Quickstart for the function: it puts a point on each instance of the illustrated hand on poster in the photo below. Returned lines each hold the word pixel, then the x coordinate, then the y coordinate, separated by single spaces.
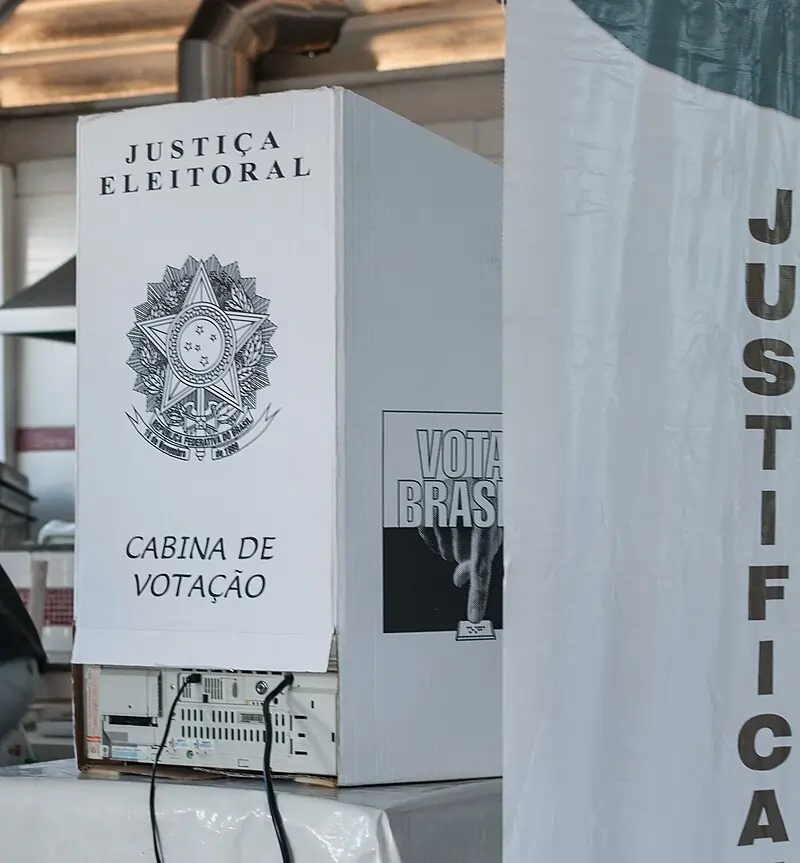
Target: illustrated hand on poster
pixel 473 550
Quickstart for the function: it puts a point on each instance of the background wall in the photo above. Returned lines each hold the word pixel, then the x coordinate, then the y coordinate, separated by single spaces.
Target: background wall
pixel 45 231
pixel 463 104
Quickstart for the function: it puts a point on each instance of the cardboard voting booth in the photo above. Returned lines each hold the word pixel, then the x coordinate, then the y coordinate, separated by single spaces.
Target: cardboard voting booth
pixel 650 334
pixel 289 432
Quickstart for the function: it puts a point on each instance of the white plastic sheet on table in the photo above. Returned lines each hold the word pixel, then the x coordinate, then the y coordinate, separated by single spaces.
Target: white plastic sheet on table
pixel 49 812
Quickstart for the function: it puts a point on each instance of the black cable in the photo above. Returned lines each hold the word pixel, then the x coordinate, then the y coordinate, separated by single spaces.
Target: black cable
pixel 269 787
pixel 188 681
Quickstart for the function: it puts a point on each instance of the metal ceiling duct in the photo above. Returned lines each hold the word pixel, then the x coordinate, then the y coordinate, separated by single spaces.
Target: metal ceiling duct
pixel 217 55
pixel 7 9
pixel 217 58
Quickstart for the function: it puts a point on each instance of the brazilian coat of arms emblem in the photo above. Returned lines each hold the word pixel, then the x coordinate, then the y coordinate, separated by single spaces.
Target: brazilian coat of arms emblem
pixel 201 348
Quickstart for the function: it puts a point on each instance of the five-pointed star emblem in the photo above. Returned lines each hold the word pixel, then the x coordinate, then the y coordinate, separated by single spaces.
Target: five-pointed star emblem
pixel 223 332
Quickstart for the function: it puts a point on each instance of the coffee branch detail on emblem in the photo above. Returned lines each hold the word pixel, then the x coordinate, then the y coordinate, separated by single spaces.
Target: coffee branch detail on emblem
pixel 201 347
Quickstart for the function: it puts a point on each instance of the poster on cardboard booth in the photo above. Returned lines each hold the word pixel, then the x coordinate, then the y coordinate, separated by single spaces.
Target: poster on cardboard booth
pixel 652 497
pixel 206 392
pixel 443 523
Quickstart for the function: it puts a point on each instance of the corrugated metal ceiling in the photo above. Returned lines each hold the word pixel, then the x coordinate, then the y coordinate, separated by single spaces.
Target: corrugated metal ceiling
pixel 77 51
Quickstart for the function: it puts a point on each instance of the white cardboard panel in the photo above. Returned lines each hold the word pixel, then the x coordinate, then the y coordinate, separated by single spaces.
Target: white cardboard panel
pixel 421 334
pixel 222 428
pixel 646 643
pixel 382 267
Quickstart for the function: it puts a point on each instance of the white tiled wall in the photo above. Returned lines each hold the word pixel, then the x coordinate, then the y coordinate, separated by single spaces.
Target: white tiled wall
pixel 480 136
pixel 46 237
pixel 46 391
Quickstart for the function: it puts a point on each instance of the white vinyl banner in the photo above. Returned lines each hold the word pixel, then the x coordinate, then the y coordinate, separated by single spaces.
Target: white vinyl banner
pixel 652 496
pixel 206 354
